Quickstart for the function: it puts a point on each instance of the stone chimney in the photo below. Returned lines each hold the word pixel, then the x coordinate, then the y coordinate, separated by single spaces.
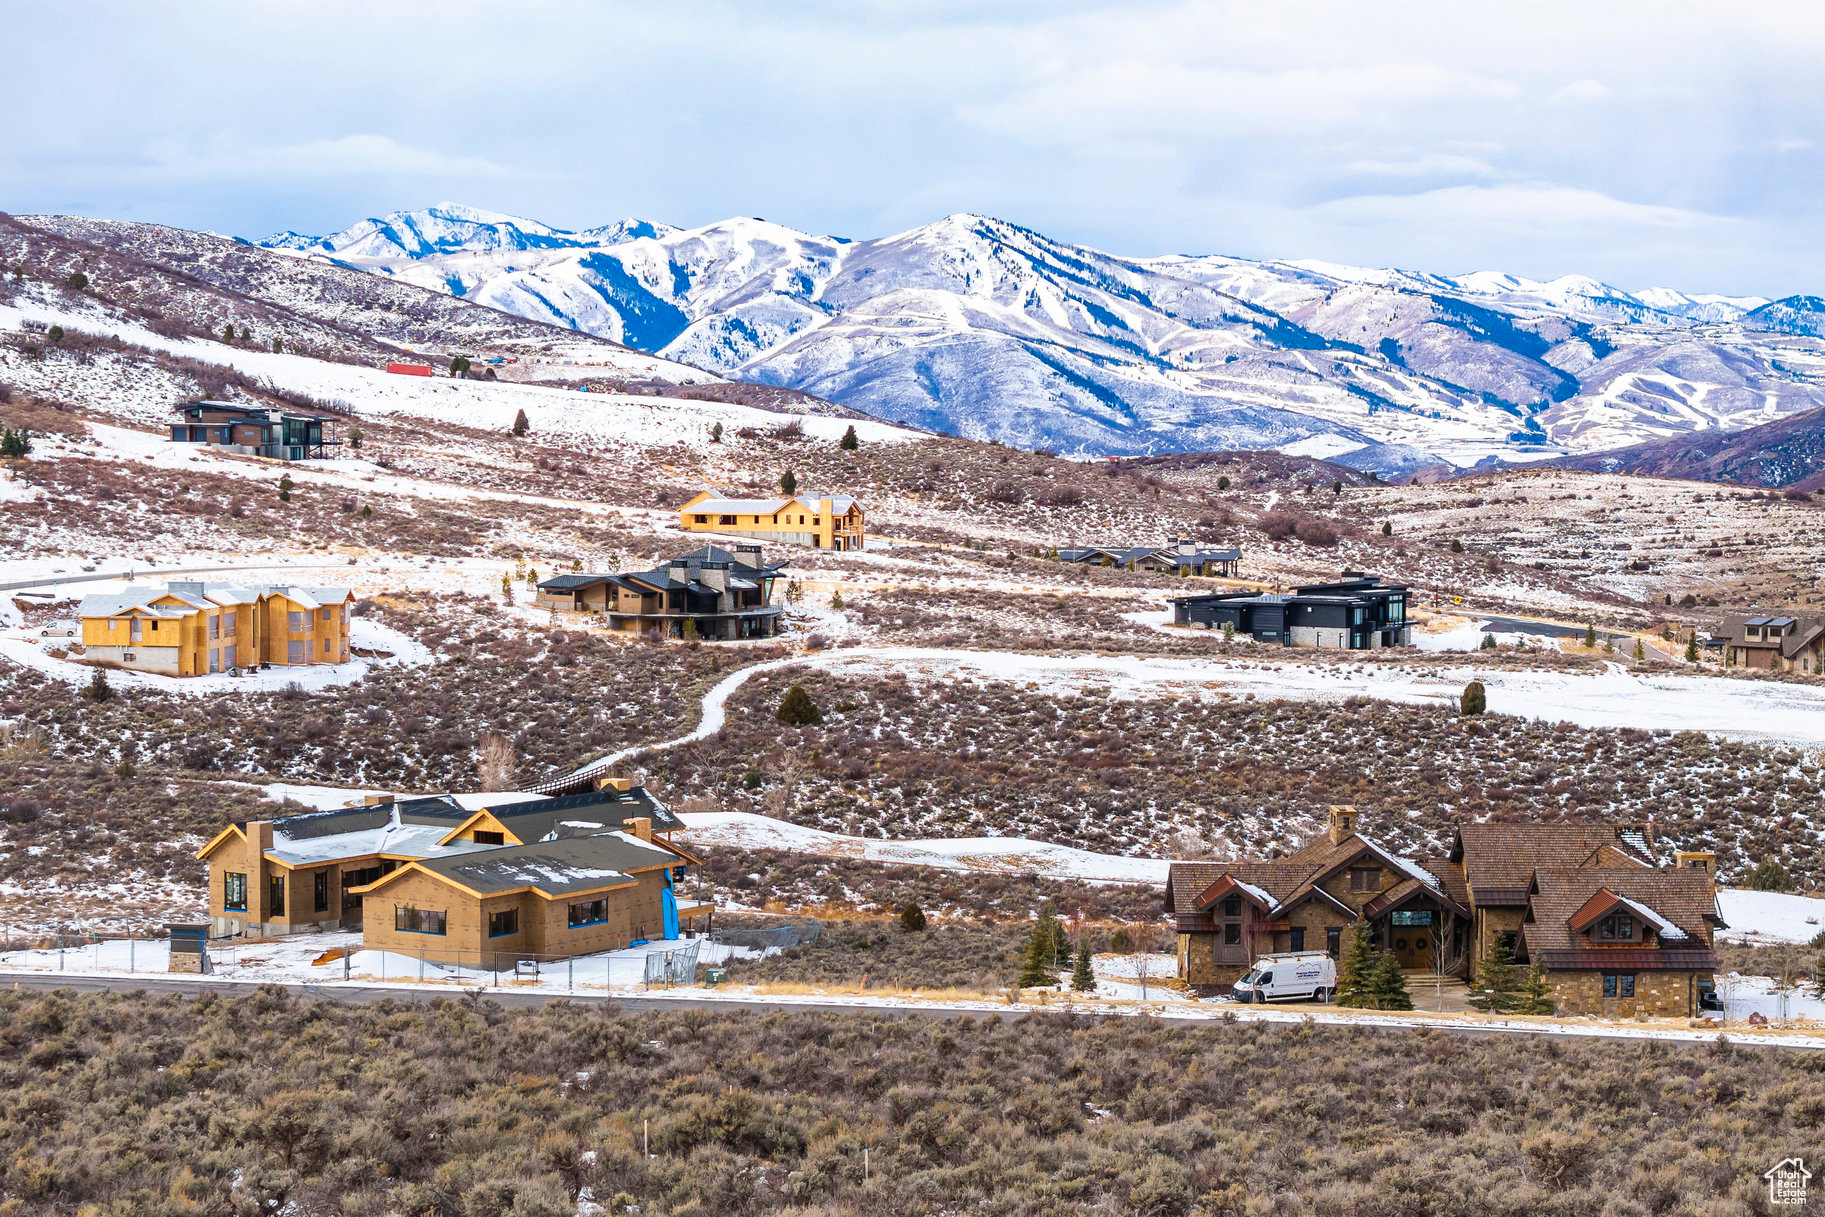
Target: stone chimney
pixel 1697 860
pixel 1343 823
pixel 640 826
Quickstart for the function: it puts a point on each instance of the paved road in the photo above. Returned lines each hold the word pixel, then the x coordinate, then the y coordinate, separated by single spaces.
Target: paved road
pixel 1520 625
pixel 165 983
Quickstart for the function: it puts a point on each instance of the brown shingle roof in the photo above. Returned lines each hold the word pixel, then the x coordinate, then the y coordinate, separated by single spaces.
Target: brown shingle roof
pixel 1501 858
pixel 1683 897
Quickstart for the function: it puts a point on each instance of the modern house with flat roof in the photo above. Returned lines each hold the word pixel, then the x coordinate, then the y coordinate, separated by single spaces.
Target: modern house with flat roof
pixel 252 430
pixel 464 876
pixel 1359 612
pixel 710 593
pixel 1176 557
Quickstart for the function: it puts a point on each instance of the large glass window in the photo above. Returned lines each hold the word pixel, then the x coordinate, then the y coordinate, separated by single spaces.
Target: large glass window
pixel 1617 927
pixel 505 922
pixel 320 892
pixel 234 891
pixel 1410 917
pixel 294 621
pixel 1232 934
pixel 589 912
pixel 275 895
pixel 418 921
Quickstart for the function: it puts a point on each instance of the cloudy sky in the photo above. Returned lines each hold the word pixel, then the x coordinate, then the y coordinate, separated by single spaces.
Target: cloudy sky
pixel 1643 144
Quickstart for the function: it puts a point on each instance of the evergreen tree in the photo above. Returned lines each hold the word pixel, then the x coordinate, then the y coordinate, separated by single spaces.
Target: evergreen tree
pixel 796 709
pixel 1590 636
pixel 285 487
pixel 1692 649
pixel 521 424
pixel 1356 970
pixel 15 444
pixel 912 917
pixel 1769 876
pixel 1457 546
pixel 1388 985
pixel 1083 980
pixel 1498 980
pixel 1222 483
pixel 77 281
pixel 850 441
pixel 228 332
pixel 55 333
pixel 1036 970
pixel 1387 528
pixel 278 346
pixel 1609 644
pixel 1536 996
pixel 1475 699
pixel 460 366
pixel 716 433
pixel 836 599
pixel 1641 655
pixel 788 482
pixel 1488 643
pixel 99 688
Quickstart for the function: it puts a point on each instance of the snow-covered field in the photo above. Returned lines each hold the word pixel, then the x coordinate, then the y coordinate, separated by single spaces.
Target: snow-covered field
pixel 1770 918
pixel 1015 855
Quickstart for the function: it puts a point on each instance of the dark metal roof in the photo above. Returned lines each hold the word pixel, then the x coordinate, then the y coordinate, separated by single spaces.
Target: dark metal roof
pixel 556 868
pixel 571 582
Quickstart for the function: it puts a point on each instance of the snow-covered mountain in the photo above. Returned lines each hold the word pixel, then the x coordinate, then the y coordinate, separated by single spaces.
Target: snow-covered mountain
pixel 996 331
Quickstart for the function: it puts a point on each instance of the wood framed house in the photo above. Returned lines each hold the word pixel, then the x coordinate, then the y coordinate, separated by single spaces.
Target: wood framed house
pixel 709 593
pixel 1616 931
pixel 467 875
pixel 194 629
pixel 817 521
pixel 1778 642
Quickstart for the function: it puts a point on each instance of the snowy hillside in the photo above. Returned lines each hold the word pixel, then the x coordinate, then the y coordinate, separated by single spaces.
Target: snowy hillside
pixel 996 331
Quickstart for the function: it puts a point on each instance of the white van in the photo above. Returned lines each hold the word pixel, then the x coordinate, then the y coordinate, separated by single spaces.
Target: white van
pixel 1296 976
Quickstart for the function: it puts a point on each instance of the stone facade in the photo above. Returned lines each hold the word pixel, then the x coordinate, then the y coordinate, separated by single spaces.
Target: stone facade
pixel 1664 994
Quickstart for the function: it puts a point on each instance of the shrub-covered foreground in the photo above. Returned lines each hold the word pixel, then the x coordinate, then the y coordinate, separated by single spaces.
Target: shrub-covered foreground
pixel 128 1104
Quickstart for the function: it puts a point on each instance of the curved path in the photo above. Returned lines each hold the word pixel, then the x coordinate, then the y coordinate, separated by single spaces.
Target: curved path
pixel 1759 710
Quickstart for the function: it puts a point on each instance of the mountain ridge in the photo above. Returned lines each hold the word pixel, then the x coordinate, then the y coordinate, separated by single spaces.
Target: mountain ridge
pixel 995 331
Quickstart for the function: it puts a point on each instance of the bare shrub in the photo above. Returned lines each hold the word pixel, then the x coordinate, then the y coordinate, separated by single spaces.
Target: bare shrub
pixel 495 761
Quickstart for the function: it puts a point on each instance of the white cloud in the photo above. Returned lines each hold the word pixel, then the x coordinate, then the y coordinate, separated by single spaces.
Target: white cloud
pixel 1792 143
pixel 1433 165
pixel 364 155
pixel 1536 210
pixel 1580 92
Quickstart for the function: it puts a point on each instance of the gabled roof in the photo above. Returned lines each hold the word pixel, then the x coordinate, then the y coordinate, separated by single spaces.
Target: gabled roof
pixel 1606 902
pixel 1228 884
pixel 1681 898
pixel 565 583
pixel 568 867
pixel 1499 859
pixel 717 502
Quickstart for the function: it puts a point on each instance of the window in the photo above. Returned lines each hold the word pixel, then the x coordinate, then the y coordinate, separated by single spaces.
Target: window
pixel 228 656
pixel 320 892
pixel 1365 878
pixel 1617 927
pixel 326 646
pixel 729 519
pixel 135 628
pixel 228 625
pixel 294 651
pixel 1232 934
pixel 1410 917
pixel 503 923
pixel 1618 984
pixel 1333 941
pixel 1232 907
pixel 329 614
pixel 215 627
pixel 234 891
pixel 1298 943
pixel 418 921
pixel 215 660
pixel 294 621
pixel 484 837
pixel 275 895
pixel 590 912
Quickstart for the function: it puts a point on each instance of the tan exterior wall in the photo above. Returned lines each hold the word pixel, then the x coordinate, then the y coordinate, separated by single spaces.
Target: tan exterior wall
pixel 258 918
pixel 799 522
pixel 258 633
pixel 544 924
pixel 1667 994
